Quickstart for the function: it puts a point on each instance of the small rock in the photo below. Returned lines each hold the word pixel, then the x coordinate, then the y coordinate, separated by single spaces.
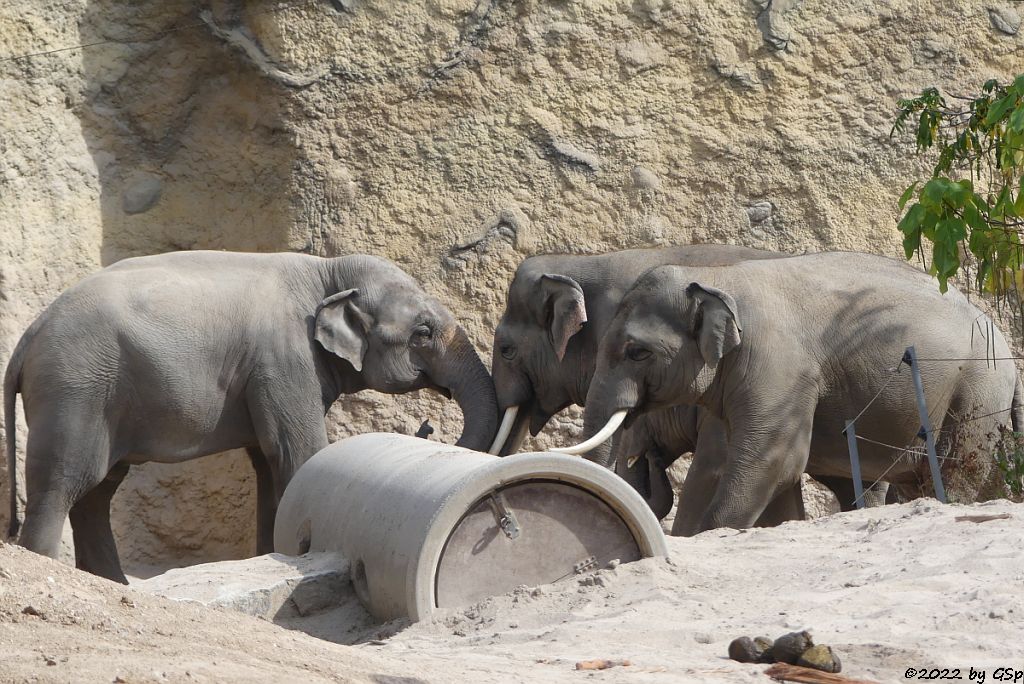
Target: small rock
pixel 744 650
pixel 645 179
pixel 49 660
pixel 789 647
pixel 127 602
pixel 759 211
pixel 1004 19
pixel 756 650
pixel 613 563
pixel 31 610
pixel 142 191
pixel 820 658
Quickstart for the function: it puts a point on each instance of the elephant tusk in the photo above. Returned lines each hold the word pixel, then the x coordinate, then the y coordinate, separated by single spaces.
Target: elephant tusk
pixel 506 427
pixel 632 460
pixel 604 433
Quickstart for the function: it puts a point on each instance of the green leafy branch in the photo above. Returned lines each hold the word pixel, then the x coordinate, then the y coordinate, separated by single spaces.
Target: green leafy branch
pixel 973 204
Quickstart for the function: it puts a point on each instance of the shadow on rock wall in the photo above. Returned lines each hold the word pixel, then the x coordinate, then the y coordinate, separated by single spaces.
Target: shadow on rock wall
pixel 192 153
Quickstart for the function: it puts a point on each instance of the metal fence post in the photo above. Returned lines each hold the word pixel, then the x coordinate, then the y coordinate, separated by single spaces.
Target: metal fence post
pixel 858 485
pixel 933 460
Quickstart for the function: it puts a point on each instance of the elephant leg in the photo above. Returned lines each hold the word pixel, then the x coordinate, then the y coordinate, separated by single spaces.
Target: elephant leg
pixel 763 462
pixel 787 505
pixel 60 466
pixel 266 502
pixel 702 478
pixel 842 487
pixel 95 549
pixel 661 495
pixel 287 439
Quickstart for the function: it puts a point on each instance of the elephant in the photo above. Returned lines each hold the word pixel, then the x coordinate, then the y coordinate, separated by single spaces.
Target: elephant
pixel 171 357
pixel 557 310
pixel 783 352
pixel 545 346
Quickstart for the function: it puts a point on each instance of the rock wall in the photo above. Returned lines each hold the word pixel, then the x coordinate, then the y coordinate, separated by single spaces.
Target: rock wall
pixel 455 137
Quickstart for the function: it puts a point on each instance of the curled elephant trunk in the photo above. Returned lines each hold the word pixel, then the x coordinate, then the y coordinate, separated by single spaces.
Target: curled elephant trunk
pixel 464 374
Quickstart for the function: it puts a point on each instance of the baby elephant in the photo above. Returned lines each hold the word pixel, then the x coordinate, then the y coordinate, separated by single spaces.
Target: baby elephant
pixel 171 357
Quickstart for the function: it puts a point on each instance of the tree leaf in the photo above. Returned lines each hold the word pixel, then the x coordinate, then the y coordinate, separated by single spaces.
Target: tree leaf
pixel 999 109
pixel 950 230
pixel 905 197
pixel 911 221
pixel 934 192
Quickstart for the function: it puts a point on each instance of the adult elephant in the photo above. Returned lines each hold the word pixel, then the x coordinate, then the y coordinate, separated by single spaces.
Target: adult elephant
pixel 171 357
pixel 544 355
pixel 783 352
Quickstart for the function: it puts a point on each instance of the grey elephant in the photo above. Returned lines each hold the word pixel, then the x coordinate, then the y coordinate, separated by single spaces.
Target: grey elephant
pixel 783 352
pixel 167 358
pixel 556 312
pixel 545 349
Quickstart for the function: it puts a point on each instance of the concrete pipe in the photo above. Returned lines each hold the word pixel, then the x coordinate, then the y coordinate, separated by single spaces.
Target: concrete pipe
pixel 427 525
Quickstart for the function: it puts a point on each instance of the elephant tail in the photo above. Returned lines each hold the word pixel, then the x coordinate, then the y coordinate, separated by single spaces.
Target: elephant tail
pixel 1017 408
pixel 12 381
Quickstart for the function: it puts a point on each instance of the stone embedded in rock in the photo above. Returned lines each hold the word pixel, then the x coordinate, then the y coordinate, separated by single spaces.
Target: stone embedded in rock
pixel 1005 19
pixel 142 191
pixel 759 212
pixel 645 179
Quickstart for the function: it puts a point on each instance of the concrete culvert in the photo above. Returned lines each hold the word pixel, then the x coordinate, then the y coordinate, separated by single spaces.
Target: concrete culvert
pixel 435 526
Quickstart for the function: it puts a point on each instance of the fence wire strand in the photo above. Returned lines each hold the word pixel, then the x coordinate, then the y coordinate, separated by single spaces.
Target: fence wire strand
pixel 903 452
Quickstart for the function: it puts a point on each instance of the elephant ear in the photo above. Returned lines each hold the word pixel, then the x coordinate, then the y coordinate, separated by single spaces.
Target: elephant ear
pixel 565 309
pixel 714 321
pixel 341 327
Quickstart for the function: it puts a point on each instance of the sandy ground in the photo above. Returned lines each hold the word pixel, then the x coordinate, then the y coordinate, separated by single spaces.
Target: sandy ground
pixel 888 588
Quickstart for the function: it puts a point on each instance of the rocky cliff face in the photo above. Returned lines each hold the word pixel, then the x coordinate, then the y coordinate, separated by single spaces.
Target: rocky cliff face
pixel 455 137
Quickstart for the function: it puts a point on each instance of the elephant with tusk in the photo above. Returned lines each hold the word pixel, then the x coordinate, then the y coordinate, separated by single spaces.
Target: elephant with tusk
pixel 782 352
pixel 545 349
pixel 171 357
pixel 557 309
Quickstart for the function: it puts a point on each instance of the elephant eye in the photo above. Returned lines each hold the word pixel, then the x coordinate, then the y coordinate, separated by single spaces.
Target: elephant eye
pixel 423 332
pixel 508 351
pixel 635 353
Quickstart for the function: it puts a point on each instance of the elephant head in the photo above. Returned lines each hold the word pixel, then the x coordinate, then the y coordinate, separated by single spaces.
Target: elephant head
pixel 665 347
pixel 538 365
pixel 391 336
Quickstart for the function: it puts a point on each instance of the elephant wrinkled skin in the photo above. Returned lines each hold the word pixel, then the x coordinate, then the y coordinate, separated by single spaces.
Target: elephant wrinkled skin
pixel 783 352
pixel 558 308
pixel 545 349
pixel 171 357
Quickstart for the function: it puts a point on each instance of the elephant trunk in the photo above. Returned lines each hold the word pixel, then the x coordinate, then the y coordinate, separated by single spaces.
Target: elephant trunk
pixel 466 377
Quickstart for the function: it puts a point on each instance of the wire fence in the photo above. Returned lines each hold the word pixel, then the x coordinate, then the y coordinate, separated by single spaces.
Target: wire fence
pixel 927 432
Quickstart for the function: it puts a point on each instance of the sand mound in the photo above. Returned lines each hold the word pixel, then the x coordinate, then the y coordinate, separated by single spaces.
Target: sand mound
pixel 916 585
